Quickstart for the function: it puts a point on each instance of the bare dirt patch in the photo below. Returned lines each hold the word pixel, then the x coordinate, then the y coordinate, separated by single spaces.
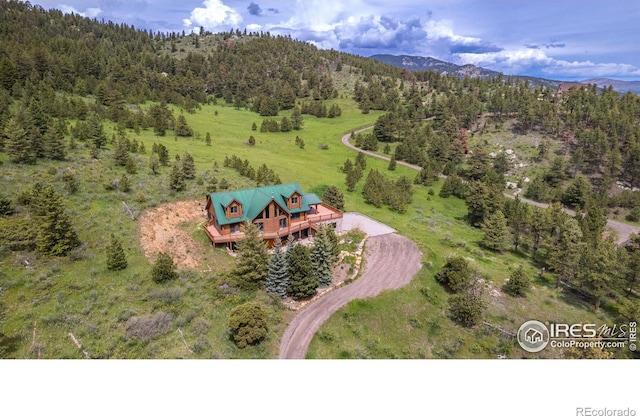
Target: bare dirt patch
pixel 162 230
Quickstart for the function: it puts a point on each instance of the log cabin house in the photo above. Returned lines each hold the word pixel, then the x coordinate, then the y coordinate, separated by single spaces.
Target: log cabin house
pixel 277 210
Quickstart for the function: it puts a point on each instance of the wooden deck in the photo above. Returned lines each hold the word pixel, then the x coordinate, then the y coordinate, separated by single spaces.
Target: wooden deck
pixel 320 214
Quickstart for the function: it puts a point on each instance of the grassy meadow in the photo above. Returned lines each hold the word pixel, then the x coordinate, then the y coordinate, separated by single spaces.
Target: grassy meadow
pixel 126 315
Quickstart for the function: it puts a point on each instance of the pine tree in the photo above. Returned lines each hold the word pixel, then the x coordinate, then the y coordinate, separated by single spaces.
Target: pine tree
pixel 207 138
pixel 277 275
pixel 564 256
pixel 375 188
pixel 334 197
pixel 121 150
pixel 597 269
pixel 322 257
pixel 495 231
pixel 188 166
pixel 181 127
pixel 518 283
pixel 124 184
pixel 163 269
pixel 296 118
pixel 302 280
pixel 116 259
pixel 361 161
pixel 56 236
pixel 154 165
pixel 392 163
pixel 54 147
pixel 252 260
pixel 130 166
pixel 455 274
pixel 176 179
pixel 17 143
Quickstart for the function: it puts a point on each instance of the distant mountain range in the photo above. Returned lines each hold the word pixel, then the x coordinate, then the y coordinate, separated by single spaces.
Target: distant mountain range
pixel 620 86
pixel 422 63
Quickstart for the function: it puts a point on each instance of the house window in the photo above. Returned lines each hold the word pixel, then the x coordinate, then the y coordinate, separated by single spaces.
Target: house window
pixel 294 200
pixel 233 209
pixel 260 225
pixel 295 216
pixel 235 228
pixel 283 223
pixel 266 211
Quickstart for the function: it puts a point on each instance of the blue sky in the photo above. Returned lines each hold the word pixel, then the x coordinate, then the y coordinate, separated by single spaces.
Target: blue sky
pixel 559 39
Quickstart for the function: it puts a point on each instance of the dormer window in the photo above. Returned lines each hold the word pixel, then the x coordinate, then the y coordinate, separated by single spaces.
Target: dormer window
pixel 294 200
pixel 233 209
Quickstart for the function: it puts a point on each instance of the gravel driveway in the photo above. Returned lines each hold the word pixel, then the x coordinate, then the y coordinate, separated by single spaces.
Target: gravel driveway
pixel 391 261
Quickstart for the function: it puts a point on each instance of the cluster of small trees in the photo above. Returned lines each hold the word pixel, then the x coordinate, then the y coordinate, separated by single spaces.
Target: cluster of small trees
pixel 466 305
pixel 379 190
pixel 319 109
pixel 354 171
pixel 293 270
pixel 183 169
pixel 366 141
pixel 50 230
pixel 263 176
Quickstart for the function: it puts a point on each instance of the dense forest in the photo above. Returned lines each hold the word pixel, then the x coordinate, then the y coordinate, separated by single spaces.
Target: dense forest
pixel 64 78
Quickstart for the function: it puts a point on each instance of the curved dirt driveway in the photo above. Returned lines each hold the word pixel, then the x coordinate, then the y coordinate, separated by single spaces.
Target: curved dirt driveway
pixel 390 262
pixel 622 230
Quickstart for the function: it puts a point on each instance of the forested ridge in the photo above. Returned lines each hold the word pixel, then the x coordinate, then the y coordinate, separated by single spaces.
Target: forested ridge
pixel 98 118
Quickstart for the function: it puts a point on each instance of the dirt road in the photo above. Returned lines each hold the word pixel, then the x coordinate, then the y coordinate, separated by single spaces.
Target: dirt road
pixel 390 262
pixel 622 230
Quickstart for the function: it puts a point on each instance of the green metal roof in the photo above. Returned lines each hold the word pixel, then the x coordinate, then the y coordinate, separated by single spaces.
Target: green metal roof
pixel 254 200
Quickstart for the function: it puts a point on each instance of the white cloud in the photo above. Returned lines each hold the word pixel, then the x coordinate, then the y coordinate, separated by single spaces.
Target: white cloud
pixel 522 60
pixel 213 15
pixel 90 12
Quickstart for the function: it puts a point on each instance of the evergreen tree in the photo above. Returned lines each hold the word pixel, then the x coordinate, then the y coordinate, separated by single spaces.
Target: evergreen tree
pixel 392 163
pixel 116 259
pixel 597 269
pixel 296 119
pixel 130 166
pixel 95 130
pixel 163 154
pixel 322 257
pixel 466 308
pixel 353 176
pixel 188 166
pixel 17 143
pixel 154 165
pixel 302 280
pixel 181 127
pixel 163 269
pixel 285 125
pixel 124 184
pixel 495 231
pixel 54 146
pixel 564 256
pixel 334 197
pixel 361 161
pixel 277 275
pixel 207 138
pixel 252 259
pixel 375 188
pixel 70 181
pixel 56 236
pixel 518 216
pixel 121 150
pixel 518 283
pixel 176 179
pixel 481 201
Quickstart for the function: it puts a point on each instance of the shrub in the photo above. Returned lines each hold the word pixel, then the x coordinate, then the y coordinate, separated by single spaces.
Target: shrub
pixel 146 328
pixel 455 274
pixel 634 215
pixel 247 324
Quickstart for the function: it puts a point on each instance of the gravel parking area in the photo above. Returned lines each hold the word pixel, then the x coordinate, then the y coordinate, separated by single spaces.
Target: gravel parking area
pixel 370 226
